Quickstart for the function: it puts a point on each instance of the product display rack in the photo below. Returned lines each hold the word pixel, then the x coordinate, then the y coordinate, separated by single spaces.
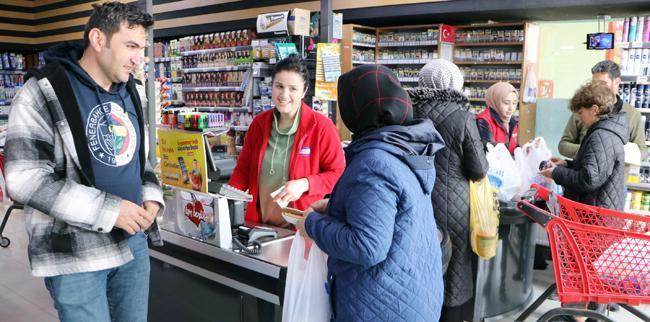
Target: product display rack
pixel 493 52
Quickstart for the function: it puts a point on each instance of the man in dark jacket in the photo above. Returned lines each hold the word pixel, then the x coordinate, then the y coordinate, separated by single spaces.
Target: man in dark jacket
pixel 596 176
pixel 462 159
pixel 76 158
pixel 384 258
pixel 574 132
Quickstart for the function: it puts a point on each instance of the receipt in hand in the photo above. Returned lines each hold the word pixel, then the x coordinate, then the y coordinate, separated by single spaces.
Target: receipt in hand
pixel 280 203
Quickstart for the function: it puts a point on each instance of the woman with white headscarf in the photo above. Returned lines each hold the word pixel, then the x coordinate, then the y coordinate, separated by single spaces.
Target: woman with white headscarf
pixel 438 98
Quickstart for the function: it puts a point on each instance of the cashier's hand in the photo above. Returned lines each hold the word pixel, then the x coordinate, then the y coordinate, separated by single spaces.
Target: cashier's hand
pixel 293 190
pixel 558 162
pixel 548 172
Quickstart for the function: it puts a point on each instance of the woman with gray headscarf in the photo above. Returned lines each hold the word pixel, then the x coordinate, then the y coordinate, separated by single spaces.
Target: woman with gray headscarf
pixel 438 98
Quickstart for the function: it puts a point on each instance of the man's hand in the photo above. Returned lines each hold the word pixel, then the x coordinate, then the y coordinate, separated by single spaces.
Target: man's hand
pixel 152 208
pixel 132 218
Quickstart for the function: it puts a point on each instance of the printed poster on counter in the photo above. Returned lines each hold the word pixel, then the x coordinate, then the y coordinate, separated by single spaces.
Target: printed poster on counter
pixel 183 161
pixel 328 70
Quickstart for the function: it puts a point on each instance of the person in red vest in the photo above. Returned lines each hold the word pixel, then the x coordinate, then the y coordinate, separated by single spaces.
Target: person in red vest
pixel 290 148
pixel 496 124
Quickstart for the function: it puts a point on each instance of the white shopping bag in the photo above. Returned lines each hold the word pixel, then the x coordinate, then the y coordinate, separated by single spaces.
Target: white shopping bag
pixel 305 296
pixel 503 172
pixel 528 159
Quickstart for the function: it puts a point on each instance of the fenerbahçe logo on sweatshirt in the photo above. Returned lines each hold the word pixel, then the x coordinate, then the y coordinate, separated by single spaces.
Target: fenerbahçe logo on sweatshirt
pixel 111 135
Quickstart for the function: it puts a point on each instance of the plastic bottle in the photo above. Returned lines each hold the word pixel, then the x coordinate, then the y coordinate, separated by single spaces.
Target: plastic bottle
pixel 626 29
pixel 624 61
pixel 646 30
pixel 632 33
pixel 645 60
pixel 639 29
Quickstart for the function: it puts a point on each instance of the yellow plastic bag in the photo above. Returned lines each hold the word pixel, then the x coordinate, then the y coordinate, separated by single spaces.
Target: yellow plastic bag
pixel 483 218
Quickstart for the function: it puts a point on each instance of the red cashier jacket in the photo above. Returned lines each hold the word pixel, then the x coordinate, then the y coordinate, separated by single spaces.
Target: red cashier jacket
pixel 491 129
pixel 316 155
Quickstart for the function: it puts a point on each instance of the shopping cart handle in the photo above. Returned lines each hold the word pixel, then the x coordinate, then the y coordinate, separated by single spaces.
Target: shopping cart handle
pixel 538 215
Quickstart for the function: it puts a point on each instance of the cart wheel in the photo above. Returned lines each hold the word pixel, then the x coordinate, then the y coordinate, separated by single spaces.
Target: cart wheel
pixel 4 242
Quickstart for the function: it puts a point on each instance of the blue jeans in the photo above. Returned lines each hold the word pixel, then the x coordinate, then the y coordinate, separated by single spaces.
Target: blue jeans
pixel 116 294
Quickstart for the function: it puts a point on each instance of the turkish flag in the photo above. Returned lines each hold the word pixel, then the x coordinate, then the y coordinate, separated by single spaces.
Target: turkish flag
pixel 447 34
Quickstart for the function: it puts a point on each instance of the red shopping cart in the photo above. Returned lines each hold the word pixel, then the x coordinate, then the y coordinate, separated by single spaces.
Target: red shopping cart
pixel 599 255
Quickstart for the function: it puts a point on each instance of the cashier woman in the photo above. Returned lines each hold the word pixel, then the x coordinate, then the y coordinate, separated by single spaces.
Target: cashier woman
pixel 290 148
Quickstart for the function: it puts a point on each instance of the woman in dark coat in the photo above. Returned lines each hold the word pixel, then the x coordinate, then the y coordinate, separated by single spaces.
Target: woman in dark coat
pixel 597 175
pixel 463 158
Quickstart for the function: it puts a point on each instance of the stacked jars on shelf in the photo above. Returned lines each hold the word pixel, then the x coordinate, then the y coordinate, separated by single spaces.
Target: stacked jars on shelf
pixel 214 99
pixel 363 38
pixel 487 55
pixel 495 74
pixel 635 94
pixel 217 40
pixel 392 37
pixel 214 79
pixel 363 55
pixel 219 59
pixel 489 35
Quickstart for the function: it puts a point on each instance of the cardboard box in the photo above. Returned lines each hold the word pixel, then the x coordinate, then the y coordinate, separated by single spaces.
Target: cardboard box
pixel 298 22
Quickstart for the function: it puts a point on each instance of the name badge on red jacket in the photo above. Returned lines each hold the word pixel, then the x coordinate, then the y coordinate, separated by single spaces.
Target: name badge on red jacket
pixel 305 152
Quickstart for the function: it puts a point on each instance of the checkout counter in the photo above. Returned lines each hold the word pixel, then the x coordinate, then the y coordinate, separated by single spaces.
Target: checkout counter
pixel 199 277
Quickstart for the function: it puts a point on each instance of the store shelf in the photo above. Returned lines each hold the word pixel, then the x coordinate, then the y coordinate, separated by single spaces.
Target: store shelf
pixel 242 109
pixel 222 129
pixel 636 44
pixel 239 128
pixel 15 72
pixel 643 110
pixel 477 100
pixel 635 79
pixel 408 43
pixel 215 50
pixel 216 69
pixel 359 44
pixel 408 79
pixel 360 62
pixel 213 89
pixel 165 59
pixel 491 81
pixel 483 44
pixel 639 186
pixel 488 62
pixel 403 62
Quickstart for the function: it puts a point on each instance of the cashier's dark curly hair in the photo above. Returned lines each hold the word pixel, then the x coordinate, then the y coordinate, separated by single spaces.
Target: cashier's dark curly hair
pixel 110 16
pixel 293 63
pixel 594 93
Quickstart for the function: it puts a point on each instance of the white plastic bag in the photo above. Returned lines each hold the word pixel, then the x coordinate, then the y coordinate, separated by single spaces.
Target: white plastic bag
pixel 503 172
pixel 305 296
pixel 528 159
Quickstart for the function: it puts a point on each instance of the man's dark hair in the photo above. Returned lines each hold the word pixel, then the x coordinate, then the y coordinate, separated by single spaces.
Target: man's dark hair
pixel 609 67
pixel 110 16
pixel 293 64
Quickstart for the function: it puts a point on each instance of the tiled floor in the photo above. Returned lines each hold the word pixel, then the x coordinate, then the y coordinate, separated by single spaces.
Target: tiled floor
pixel 23 298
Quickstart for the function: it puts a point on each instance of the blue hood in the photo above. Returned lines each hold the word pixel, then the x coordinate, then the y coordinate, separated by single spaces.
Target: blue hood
pixel 414 144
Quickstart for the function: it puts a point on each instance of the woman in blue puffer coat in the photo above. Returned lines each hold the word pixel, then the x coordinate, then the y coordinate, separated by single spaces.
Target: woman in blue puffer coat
pixel 384 258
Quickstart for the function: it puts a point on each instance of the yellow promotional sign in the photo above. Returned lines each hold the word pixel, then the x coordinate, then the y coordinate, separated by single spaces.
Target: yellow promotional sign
pixel 183 161
pixel 328 69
